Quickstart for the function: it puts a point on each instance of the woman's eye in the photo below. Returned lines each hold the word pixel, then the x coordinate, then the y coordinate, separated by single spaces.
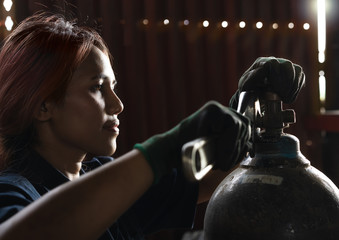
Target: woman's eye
pixel 96 87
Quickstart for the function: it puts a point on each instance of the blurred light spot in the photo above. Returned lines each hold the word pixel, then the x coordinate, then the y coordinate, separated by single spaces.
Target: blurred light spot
pixel 8 5
pixel 242 24
pixel 224 24
pixel 321 30
pixel 321 57
pixel 259 25
pixel 322 86
pixel 9 23
pixel 205 23
pixel 309 143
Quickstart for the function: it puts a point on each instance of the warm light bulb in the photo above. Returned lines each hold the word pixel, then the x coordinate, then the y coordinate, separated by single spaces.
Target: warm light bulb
pixel 205 23
pixel 242 24
pixel 224 24
pixel 9 23
pixel 306 26
pixel 259 25
pixel 8 5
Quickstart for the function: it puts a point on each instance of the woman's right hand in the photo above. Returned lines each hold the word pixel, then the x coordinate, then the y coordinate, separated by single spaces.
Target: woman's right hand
pixel 229 129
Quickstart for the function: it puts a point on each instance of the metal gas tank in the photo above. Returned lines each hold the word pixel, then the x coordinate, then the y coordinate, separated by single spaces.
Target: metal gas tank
pixel 275 195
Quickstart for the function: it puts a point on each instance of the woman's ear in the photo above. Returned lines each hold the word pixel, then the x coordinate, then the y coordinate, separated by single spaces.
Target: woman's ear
pixel 44 112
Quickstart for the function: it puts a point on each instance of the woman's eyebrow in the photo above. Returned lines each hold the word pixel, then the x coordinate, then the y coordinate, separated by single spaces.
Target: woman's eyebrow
pixel 100 76
pixel 103 76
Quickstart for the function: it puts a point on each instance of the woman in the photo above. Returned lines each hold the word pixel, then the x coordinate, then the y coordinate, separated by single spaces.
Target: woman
pixel 58 107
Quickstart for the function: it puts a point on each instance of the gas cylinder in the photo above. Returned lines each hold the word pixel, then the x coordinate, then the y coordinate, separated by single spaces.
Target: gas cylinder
pixel 274 193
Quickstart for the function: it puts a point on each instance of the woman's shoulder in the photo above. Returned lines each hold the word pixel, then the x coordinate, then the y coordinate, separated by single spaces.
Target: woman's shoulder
pixel 16 192
pixel 12 178
pixel 12 183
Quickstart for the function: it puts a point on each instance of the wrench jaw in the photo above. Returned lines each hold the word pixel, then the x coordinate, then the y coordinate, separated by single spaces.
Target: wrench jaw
pixel 196 156
pixel 249 106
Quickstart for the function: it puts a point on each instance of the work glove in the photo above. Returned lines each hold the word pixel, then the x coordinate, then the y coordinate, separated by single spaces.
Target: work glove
pixel 277 75
pixel 229 129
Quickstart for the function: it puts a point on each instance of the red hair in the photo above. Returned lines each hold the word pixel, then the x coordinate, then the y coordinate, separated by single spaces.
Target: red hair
pixel 36 63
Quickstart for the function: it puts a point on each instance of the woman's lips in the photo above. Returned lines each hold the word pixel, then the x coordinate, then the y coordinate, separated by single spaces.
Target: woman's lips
pixel 112 126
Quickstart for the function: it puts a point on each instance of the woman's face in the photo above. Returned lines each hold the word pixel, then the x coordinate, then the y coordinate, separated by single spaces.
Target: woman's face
pixel 87 119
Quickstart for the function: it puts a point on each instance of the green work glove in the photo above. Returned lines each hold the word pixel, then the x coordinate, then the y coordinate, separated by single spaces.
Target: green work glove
pixel 277 75
pixel 229 129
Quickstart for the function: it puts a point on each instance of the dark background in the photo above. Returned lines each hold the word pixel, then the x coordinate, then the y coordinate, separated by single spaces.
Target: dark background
pixel 165 72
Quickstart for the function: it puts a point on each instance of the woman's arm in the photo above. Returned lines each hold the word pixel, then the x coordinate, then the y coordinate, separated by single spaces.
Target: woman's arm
pixel 83 208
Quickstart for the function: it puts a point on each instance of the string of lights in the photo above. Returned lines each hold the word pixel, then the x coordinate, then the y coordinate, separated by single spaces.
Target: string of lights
pixel 7 4
pixel 226 24
pixel 7 23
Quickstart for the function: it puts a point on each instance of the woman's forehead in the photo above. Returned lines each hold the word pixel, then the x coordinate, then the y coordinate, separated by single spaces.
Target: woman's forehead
pixel 97 62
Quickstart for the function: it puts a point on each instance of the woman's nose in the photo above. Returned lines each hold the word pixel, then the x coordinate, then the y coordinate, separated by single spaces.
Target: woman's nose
pixel 114 105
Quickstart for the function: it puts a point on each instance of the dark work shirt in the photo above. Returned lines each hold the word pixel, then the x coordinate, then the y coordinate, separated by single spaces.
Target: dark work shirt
pixel 168 204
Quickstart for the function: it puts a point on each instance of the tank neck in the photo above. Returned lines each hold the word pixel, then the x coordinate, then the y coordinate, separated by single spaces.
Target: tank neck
pixel 282 152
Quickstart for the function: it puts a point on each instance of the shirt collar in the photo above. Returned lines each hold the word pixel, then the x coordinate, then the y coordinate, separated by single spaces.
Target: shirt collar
pixel 42 172
pixel 43 175
pixel 39 171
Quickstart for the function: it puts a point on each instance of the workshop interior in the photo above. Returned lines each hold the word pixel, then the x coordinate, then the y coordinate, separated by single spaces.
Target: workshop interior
pixel 172 56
